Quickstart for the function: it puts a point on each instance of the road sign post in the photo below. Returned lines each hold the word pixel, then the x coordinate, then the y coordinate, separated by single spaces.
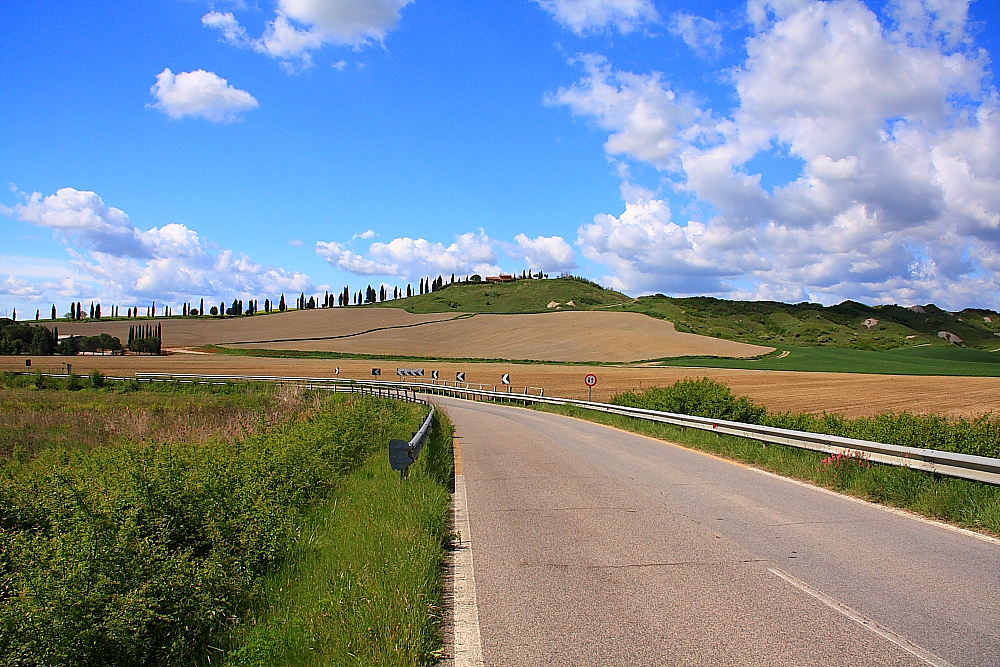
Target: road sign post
pixel 591 380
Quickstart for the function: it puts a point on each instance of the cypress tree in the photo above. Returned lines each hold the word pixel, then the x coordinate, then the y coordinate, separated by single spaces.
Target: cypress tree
pixel 53 311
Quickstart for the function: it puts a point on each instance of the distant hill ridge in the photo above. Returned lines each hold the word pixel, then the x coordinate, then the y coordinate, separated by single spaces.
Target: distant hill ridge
pixel 849 324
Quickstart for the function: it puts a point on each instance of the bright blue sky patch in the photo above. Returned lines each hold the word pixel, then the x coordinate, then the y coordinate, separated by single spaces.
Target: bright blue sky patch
pixel 189 149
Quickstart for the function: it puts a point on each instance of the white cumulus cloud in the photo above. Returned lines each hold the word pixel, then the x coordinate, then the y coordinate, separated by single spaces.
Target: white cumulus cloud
pixel 115 261
pixel 898 137
pixel 702 35
pixel 547 253
pixel 583 16
pixel 406 257
pixel 200 94
pixel 302 26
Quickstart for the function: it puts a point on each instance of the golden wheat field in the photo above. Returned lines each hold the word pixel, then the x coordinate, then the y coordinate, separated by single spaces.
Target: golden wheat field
pixel 261 328
pixel 577 336
pixel 850 394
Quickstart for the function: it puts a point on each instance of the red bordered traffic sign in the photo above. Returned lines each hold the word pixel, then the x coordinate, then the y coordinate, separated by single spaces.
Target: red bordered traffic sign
pixel 591 380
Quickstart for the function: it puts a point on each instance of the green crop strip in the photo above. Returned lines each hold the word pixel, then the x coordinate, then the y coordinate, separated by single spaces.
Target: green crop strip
pixel 926 360
pixel 314 354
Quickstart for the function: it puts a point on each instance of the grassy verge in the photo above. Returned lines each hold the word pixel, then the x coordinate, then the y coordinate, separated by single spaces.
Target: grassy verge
pixel 164 550
pixel 363 587
pixel 965 503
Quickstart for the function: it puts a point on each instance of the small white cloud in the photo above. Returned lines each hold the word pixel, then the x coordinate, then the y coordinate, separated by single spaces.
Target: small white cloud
pixel 296 242
pixel 19 288
pixel 547 253
pixel 200 94
pixel 340 65
pixel 226 23
pixel 648 120
pixel 702 35
pixel 367 234
pixel 583 16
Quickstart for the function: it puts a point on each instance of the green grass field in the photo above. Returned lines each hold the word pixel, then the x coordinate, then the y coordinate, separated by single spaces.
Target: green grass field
pixel 522 296
pixel 926 360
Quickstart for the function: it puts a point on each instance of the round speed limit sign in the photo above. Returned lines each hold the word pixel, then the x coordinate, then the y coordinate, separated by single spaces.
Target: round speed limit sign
pixel 591 380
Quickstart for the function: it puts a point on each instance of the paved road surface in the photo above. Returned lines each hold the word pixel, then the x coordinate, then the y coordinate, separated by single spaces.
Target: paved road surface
pixel 597 547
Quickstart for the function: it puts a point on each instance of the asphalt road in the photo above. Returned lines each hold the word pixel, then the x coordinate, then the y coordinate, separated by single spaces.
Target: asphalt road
pixel 594 546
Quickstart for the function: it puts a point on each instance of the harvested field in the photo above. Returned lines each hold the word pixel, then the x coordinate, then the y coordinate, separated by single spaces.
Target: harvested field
pixel 849 394
pixel 294 325
pixel 578 336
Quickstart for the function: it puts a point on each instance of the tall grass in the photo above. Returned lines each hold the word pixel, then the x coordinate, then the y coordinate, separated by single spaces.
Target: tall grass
pixel 152 553
pixel 363 586
pixel 32 421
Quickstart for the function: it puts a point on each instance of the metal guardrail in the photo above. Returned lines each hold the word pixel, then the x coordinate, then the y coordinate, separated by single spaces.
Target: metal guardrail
pixel 966 466
pixel 403 454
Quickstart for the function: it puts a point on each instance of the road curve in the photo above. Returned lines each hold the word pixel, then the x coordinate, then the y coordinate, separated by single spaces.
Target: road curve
pixel 593 546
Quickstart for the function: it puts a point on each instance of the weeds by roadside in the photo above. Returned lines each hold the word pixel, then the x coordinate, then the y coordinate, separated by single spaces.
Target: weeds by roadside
pixel 705 397
pixel 87 416
pixel 364 584
pixel 157 551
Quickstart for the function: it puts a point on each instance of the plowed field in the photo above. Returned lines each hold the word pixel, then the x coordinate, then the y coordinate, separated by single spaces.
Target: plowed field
pixel 850 394
pixel 297 325
pixel 578 336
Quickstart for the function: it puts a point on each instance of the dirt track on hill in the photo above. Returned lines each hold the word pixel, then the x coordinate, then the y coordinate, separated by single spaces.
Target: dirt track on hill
pixel 849 394
pixel 577 336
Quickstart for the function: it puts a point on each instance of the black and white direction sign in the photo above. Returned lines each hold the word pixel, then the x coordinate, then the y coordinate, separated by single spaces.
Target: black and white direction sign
pixel 460 377
pixel 434 375
pixel 376 371
pixel 505 378
pixel 336 371
pixel 410 372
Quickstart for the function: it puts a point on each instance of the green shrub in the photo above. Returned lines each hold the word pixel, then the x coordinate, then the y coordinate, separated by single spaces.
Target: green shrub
pixel 142 554
pixel 73 382
pixel 708 398
pixel 96 379
pixel 702 398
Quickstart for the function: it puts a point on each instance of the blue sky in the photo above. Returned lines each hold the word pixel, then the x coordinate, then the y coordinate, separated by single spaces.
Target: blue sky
pixel 792 150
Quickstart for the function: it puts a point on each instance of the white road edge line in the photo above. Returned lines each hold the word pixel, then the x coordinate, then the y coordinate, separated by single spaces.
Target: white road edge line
pixel 854 499
pixel 468 648
pixel 920 653
pixel 885 508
